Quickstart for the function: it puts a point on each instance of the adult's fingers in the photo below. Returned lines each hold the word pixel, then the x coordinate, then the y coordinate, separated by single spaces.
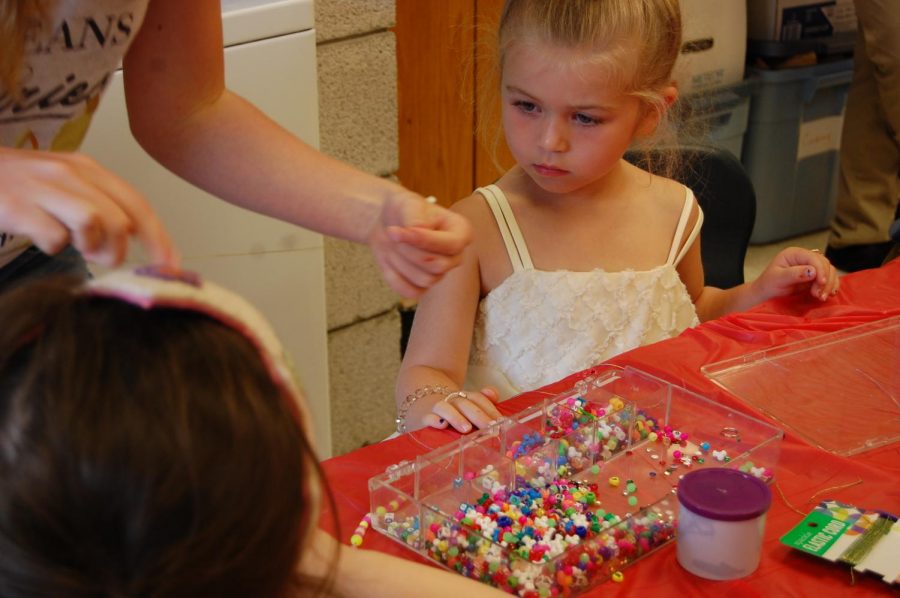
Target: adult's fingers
pixel 409 271
pixel 30 220
pixel 449 235
pixel 144 223
pixel 98 227
pixel 395 280
pixel 432 263
pixel 57 198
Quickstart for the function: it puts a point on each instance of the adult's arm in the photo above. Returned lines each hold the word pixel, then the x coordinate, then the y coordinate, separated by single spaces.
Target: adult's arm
pixel 181 112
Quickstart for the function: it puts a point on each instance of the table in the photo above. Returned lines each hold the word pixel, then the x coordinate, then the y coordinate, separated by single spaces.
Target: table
pixel 802 472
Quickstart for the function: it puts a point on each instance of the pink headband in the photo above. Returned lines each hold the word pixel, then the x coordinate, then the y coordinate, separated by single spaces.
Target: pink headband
pixel 151 286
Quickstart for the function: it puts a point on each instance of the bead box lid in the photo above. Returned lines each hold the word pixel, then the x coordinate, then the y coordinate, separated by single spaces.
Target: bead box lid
pixel 840 384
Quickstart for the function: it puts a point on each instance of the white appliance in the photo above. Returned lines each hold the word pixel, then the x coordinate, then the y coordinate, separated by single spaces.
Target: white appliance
pixel 270 59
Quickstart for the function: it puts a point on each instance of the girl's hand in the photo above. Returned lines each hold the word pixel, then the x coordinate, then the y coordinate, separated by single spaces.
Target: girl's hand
pixel 795 270
pixel 57 198
pixel 461 410
pixel 415 242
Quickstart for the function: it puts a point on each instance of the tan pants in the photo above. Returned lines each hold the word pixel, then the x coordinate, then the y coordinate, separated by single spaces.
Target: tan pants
pixel 869 181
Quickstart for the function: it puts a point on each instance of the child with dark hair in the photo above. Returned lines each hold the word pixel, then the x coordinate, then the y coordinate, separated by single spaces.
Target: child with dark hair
pixel 153 443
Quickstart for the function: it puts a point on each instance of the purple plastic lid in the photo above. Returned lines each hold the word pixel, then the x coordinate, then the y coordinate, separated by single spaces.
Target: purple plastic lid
pixel 724 494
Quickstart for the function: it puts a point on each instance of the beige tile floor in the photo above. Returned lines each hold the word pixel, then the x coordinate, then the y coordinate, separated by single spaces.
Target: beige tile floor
pixel 759 256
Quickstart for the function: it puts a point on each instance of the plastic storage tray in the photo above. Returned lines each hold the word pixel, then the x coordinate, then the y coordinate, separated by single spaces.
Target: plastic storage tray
pixel 561 496
pixel 791 147
pixel 840 390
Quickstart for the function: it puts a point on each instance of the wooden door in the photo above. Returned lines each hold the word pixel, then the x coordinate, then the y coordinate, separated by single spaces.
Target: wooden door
pixel 443 56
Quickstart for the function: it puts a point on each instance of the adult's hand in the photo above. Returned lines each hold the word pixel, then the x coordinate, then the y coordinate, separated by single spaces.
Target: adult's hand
pixel 416 242
pixel 57 198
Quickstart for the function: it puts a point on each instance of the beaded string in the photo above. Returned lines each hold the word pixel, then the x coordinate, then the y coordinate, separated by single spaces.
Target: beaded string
pixel 356 539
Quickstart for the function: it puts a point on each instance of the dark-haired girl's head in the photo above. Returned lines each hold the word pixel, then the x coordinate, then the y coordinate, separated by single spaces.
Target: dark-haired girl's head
pixel 143 452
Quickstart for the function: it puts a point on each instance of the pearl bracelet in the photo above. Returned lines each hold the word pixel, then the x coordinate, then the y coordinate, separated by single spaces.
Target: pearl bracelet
pixel 411 398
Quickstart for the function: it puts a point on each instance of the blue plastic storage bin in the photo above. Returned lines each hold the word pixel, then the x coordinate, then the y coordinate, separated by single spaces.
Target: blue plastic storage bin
pixel 791 146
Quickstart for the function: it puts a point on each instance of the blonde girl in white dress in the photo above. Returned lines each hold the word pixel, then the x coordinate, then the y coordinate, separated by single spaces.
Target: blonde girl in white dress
pixel 578 255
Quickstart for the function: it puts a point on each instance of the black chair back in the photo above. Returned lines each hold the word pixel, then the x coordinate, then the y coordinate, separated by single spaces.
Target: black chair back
pixel 725 193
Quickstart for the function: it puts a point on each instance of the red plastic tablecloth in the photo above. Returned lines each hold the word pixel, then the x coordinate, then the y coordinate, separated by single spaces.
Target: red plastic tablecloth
pixel 803 470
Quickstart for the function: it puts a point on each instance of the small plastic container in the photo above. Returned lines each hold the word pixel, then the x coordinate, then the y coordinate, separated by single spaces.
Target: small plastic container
pixel 721 522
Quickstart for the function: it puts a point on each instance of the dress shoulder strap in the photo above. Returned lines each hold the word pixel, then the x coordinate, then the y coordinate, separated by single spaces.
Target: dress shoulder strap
pixel 678 241
pixel 509 228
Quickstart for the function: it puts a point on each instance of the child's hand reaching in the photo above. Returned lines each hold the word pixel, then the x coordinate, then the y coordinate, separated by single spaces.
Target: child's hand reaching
pixel 461 410
pixel 794 270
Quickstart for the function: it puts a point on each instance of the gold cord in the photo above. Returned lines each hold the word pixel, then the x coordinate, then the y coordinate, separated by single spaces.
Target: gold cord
pixel 811 498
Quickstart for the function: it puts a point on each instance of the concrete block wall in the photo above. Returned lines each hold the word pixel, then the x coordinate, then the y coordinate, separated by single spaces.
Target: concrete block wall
pixel 358 124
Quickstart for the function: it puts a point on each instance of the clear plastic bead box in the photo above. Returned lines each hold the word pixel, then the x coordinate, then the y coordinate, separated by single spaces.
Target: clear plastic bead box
pixel 563 495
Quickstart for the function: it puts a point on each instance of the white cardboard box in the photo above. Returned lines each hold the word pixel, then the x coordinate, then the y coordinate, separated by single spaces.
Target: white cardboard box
pixel 791 20
pixel 713 44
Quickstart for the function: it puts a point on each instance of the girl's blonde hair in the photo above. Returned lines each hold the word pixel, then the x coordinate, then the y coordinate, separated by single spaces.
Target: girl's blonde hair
pixel 636 40
pixel 16 18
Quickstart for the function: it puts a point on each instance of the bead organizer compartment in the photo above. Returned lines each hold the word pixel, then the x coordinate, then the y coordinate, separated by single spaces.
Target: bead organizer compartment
pixel 563 495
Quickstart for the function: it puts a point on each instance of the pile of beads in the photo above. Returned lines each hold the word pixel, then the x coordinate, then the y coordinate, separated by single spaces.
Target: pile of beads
pixel 529 442
pixel 540 541
pixel 575 412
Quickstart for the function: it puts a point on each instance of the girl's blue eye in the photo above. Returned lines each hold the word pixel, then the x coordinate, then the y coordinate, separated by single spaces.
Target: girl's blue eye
pixel 584 119
pixel 525 106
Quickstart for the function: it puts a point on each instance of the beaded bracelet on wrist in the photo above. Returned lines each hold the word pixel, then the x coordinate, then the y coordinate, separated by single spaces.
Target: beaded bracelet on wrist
pixel 411 398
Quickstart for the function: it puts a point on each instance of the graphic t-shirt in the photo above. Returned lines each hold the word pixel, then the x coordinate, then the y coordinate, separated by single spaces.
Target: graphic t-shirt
pixel 69 60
